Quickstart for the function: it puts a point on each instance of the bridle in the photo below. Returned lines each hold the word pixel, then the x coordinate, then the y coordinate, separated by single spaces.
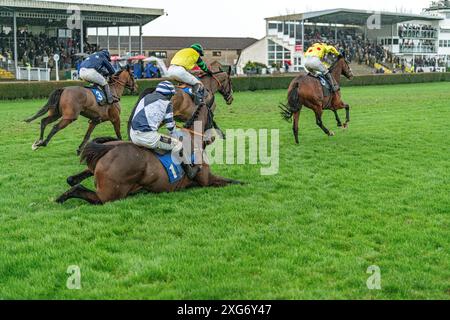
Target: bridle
pixel 337 61
pixel 227 95
pixel 116 80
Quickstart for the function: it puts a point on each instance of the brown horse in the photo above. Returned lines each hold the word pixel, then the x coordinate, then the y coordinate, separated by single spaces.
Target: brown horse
pixel 306 90
pixel 71 102
pixel 218 82
pixel 122 168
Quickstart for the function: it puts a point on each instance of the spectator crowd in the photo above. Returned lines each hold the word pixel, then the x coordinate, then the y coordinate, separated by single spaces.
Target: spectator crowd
pixel 34 49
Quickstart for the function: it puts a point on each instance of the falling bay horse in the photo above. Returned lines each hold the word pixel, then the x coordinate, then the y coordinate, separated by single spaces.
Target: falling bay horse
pixel 123 168
pixel 71 102
pixel 306 90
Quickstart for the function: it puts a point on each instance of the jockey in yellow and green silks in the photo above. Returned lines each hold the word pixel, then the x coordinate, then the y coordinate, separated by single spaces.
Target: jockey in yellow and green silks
pixel 184 61
pixel 314 61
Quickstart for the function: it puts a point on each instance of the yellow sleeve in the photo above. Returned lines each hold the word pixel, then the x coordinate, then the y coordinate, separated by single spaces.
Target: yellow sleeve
pixel 332 50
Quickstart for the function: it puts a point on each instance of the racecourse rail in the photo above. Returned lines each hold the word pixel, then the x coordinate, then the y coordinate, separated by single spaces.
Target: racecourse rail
pixel 32 90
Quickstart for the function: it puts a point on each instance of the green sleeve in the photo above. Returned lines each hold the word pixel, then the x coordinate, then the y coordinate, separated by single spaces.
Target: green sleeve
pixel 202 65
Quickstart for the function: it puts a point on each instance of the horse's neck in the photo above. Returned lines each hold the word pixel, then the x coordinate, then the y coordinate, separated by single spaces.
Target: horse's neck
pixel 118 87
pixel 211 84
pixel 203 119
pixel 337 71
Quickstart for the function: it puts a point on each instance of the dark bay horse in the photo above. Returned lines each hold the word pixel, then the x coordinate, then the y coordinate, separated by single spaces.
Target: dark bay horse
pixel 71 102
pixel 122 168
pixel 306 90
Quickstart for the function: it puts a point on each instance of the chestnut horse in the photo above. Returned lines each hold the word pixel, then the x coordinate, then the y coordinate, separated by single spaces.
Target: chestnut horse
pixel 123 168
pixel 71 102
pixel 306 90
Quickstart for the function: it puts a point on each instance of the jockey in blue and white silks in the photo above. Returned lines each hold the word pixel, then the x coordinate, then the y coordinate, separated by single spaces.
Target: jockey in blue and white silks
pixel 152 111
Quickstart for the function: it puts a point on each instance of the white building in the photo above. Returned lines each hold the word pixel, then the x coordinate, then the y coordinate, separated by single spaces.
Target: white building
pixel 408 36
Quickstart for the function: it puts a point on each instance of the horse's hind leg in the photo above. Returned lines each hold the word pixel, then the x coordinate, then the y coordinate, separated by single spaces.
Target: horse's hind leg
pixel 61 125
pixel 80 192
pixel 320 124
pixel 77 179
pixel 295 126
pixel 44 123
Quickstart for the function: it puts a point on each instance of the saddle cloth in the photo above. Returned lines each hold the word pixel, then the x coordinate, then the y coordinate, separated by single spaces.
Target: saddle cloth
pixel 99 95
pixel 174 171
pixel 187 89
pixel 326 86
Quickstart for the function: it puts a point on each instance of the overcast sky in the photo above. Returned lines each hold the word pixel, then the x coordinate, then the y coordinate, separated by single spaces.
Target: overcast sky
pixel 240 18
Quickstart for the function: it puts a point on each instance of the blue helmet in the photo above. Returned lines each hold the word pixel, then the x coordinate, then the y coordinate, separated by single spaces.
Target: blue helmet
pixel 166 88
pixel 106 54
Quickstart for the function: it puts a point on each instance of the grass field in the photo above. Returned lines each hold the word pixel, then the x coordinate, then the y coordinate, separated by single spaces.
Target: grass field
pixel 377 194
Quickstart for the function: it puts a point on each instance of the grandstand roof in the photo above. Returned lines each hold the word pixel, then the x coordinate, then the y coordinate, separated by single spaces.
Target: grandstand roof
pixel 32 12
pixel 352 17
pixel 176 43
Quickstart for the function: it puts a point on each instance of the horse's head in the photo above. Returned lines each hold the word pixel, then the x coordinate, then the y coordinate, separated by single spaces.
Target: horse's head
pixel 126 77
pixel 345 67
pixel 225 85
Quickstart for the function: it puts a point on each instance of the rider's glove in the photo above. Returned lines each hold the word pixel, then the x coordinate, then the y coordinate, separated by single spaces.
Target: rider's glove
pixel 177 134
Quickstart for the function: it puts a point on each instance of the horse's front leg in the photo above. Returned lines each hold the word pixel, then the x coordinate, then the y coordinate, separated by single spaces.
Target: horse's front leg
pixel 115 120
pixel 92 125
pixel 206 179
pixel 216 181
pixel 77 179
pixel 338 120
pixel 347 116
pixel 319 122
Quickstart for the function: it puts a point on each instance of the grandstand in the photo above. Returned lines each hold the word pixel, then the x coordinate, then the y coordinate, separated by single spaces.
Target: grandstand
pixel 382 41
pixel 31 32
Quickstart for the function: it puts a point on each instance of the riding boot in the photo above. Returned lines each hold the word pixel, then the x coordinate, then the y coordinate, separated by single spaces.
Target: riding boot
pixel 199 94
pixel 332 82
pixel 108 93
pixel 191 171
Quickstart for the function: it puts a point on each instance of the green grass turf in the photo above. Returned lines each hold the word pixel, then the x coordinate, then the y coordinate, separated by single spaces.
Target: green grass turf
pixel 377 194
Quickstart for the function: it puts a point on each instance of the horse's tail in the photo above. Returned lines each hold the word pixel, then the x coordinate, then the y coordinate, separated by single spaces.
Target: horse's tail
pixel 95 150
pixel 141 96
pixel 53 102
pixel 293 105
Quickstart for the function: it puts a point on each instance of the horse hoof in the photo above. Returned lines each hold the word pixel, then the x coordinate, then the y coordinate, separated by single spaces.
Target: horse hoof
pixel 61 200
pixel 71 182
pixel 36 145
pixel 331 134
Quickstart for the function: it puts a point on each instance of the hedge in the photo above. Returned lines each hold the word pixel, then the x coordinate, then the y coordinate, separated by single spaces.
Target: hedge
pixel 32 90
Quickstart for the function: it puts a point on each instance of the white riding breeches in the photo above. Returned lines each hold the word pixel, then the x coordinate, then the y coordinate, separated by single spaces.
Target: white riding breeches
pixel 182 75
pixel 155 140
pixel 91 75
pixel 314 64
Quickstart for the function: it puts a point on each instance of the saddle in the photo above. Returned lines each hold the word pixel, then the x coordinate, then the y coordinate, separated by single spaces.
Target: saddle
pixel 326 86
pixel 98 93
